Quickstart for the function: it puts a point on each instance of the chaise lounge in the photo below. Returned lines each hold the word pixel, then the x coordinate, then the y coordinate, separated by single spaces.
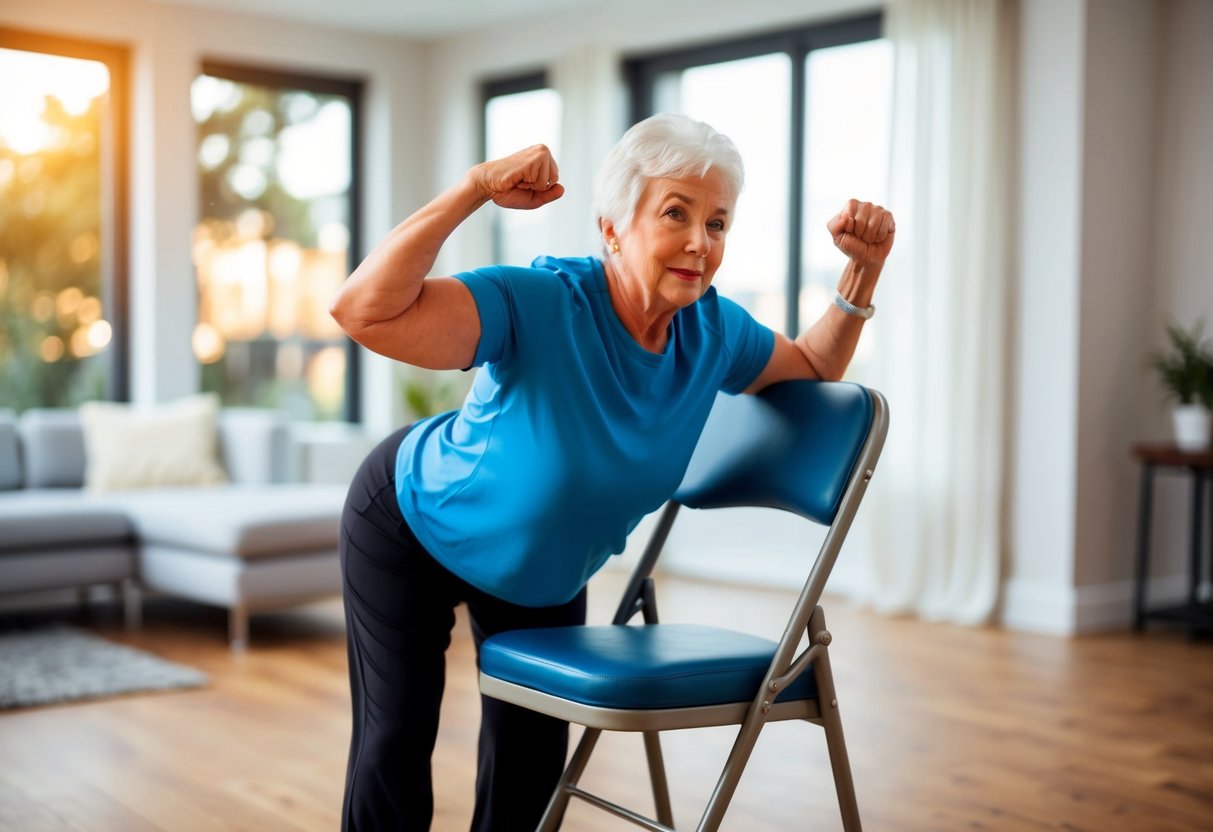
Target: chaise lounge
pixel 254 542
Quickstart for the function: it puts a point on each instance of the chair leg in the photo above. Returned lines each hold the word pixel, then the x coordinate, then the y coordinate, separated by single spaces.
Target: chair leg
pixel 831 720
pixel 661 788
pixel 554 814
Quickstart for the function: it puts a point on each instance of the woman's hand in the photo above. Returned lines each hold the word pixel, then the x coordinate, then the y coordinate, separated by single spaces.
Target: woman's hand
pixel 526 179
pixel 863 232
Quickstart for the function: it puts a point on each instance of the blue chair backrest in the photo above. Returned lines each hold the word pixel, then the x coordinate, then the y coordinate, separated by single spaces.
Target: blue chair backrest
pixel 793 447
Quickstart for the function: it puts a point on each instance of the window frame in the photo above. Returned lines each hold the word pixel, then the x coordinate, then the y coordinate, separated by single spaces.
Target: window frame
pixel 115 185
pixel 641 72
pixel 351 89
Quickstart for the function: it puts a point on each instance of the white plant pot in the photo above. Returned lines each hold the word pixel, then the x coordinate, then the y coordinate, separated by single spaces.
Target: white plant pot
pixel 1193 427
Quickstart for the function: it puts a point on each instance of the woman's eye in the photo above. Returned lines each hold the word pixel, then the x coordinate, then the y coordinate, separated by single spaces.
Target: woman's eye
pixel 716 225
pixel 676 213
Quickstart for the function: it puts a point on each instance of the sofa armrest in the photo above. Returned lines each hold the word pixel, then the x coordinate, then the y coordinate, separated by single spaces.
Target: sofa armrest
pixel 254 446
pixel 11 475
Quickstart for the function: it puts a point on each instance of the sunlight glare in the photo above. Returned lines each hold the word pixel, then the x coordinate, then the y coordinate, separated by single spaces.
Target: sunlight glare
pixel 314 155
pixel 74 82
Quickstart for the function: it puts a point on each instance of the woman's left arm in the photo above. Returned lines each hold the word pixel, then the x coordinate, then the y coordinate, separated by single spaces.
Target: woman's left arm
pixel 864 232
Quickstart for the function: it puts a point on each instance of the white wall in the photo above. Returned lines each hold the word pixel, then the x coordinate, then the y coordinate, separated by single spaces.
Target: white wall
pixel 1042 479
pixel 168 44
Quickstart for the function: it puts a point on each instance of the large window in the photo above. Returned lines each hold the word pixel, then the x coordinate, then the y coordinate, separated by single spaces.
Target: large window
pixel 63 261
pixel 809 111
pixel 520 112
pixel 277 163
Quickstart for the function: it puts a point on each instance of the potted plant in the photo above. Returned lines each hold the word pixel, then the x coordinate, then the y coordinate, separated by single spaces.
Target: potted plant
pixel 1186 371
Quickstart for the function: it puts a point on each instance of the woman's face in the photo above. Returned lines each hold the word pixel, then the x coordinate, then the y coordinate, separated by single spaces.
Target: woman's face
pixel 674 244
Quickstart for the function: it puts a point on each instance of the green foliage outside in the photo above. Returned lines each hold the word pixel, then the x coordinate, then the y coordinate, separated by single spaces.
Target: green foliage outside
pixel 248 373
pixel 50 233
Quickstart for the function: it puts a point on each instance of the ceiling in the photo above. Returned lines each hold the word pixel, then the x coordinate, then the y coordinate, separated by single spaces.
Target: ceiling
pixel 423 19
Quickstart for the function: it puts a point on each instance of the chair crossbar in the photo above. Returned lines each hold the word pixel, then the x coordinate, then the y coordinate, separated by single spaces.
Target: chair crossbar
pixel 617 810
pixel 802 661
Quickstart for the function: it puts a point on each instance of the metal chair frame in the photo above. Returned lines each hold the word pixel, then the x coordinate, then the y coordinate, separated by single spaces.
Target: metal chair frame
pixel 807 617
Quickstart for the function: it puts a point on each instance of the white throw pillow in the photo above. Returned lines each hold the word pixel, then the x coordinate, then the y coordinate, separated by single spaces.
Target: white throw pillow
pixel 128 446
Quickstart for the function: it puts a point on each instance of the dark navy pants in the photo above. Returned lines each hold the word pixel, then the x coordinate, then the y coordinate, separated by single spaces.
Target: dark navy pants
pixel 400 609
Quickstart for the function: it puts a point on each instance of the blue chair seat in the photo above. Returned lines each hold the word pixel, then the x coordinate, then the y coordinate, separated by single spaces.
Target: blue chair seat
pixel 638 667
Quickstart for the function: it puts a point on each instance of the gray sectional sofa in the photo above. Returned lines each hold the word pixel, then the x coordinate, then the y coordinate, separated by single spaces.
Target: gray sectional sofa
pixel 253 543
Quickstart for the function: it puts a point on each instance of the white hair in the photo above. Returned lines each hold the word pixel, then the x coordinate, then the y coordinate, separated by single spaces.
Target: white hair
pixel 664 146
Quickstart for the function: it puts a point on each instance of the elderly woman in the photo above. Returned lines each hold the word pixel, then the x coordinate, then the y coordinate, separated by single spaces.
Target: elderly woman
pixel 596 380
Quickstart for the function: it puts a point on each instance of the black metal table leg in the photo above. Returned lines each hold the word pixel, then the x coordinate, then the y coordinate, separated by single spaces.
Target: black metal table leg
pixel 1143 546
pixel 1198 506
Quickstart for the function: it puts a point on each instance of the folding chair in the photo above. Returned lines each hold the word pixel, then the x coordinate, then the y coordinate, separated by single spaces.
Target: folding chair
pixel 805 447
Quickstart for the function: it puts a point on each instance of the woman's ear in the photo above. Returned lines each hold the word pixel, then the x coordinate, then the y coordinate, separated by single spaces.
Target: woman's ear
pixel 610 241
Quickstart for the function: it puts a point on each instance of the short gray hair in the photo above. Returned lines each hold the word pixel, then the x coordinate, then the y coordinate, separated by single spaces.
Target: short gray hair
pixel 667 145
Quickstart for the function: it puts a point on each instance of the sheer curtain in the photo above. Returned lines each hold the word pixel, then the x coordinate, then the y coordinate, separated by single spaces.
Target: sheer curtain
pixel 934 512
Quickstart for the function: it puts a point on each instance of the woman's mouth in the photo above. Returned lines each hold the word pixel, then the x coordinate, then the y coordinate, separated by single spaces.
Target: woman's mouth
pixel 687 274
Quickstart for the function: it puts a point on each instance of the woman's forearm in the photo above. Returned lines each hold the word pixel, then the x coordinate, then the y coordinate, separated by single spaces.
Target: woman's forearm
pixel 829 344
pixel 389 280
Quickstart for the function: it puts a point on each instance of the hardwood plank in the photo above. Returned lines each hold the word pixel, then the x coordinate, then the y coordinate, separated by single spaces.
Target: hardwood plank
pixel 948 729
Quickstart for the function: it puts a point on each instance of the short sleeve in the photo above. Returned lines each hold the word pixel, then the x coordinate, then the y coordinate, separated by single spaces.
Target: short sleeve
pixel 749 345
pixel 517 306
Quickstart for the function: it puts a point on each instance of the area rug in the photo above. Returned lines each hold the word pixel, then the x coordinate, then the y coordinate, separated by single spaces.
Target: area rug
pixel 58 663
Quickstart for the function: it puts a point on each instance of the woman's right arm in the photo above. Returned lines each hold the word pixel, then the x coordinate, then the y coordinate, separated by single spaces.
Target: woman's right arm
pixel 388 305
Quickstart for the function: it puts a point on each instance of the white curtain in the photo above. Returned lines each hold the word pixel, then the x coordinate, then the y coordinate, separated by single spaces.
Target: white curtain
pixel 934 509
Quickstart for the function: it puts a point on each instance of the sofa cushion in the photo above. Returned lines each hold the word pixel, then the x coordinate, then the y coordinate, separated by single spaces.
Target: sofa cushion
pixel 57 518
pixel 10 452
pixel 246 521
pixel 147 446
pixel 53 445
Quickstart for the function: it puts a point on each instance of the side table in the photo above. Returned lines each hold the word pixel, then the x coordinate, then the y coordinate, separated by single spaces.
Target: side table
pixel 1199 468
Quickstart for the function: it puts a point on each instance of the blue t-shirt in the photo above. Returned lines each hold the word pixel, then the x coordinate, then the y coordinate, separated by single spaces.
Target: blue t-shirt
pixel 571 432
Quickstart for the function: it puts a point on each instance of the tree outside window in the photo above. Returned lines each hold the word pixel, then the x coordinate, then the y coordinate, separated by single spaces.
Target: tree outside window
pixel 277 217
pixel 62 271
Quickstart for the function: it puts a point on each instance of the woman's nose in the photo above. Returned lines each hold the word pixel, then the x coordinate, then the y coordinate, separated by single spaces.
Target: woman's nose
pixel 698 243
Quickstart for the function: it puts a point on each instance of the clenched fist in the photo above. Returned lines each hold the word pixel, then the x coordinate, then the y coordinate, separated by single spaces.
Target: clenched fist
pixel 863 232
pixel 526 179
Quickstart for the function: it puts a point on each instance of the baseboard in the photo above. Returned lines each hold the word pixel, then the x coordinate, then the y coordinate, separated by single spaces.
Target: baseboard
pixel 1040 607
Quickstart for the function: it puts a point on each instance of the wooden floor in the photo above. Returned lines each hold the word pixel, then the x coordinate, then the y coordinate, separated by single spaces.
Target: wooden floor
pixel 948 729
